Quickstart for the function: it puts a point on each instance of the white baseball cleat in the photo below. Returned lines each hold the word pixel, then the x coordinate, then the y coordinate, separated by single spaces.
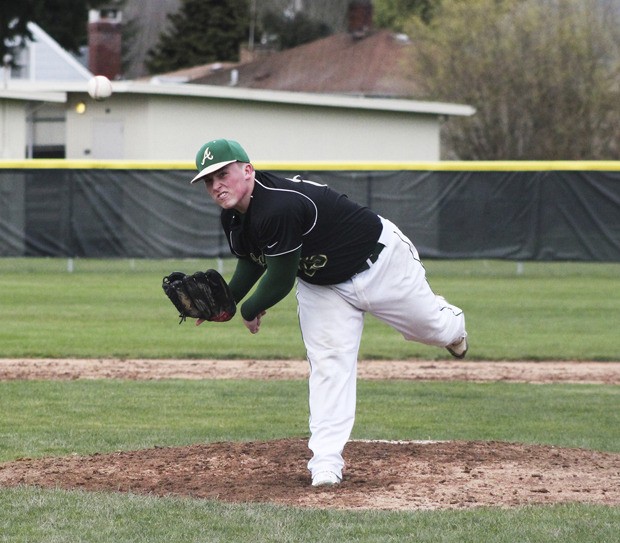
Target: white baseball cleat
pixel 325 478
pixel 459 348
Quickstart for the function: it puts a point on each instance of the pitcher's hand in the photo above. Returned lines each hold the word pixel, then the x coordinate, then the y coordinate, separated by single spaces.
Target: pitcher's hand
pixel 254 325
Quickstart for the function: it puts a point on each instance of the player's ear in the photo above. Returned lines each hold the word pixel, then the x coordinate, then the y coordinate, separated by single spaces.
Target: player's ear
pixel 248 169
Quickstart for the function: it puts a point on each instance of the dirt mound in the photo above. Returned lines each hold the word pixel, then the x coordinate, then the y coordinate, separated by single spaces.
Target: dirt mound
pixel 379 475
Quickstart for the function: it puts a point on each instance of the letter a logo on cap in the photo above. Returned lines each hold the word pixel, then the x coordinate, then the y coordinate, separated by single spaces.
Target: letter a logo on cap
pixel 206 156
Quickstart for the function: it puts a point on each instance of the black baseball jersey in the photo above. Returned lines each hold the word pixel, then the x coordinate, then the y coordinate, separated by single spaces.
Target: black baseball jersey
pixel 336 235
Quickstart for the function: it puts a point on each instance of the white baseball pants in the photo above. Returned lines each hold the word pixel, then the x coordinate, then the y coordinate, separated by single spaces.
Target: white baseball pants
pixel 394 289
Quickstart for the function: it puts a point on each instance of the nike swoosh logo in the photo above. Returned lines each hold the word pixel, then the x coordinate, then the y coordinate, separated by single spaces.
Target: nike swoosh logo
pixel 272 245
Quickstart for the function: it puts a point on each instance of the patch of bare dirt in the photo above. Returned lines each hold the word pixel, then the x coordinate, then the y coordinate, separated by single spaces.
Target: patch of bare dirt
pixel 378 475
pixel 421 370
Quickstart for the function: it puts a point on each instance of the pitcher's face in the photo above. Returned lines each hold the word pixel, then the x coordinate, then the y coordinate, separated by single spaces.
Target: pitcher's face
pixel 231 186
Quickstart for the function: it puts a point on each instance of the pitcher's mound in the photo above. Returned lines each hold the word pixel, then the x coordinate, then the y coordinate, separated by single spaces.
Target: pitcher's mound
pixel 379 475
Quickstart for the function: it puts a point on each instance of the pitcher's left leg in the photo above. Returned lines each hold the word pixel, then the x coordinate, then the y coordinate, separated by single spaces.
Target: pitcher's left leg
pixel 398 293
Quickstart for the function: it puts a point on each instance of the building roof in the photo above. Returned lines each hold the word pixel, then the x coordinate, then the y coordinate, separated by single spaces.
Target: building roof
pixel 44 60
pixel 33 96
pixel 192 73
pixel 252 95
pixel 375 64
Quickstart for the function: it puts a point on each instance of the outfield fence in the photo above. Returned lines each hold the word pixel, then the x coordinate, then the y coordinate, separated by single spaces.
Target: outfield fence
pixel 518 211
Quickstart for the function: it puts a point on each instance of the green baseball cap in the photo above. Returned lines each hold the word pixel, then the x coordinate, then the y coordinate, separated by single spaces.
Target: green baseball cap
pixel 215 154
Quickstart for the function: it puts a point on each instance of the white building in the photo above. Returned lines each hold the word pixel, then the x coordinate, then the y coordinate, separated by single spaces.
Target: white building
pixel 144 121
pixel 46 112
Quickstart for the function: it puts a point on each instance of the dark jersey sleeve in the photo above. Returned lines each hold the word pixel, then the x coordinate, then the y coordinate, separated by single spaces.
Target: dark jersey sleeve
pixel 274 285
pixel 247 273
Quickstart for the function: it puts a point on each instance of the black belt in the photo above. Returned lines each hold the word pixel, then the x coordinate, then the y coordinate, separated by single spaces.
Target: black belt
pixel 372 258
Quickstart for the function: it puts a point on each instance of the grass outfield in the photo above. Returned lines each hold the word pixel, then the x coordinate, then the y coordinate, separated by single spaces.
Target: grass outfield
pixel 58 516
pixel 54 418
pixel 117 308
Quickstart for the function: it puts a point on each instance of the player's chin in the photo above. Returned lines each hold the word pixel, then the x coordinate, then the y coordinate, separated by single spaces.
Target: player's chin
pixel 225 202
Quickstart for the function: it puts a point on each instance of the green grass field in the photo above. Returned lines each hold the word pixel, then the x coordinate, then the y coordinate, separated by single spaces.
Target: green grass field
pixel 117 309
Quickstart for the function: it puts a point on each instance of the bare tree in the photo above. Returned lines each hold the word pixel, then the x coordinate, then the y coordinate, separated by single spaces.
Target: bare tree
pixel 544 76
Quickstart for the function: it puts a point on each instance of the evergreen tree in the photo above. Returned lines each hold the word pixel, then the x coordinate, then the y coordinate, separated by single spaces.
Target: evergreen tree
pixel 201 31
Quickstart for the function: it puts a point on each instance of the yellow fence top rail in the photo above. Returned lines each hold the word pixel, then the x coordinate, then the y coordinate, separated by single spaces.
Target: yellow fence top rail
pixel 509 165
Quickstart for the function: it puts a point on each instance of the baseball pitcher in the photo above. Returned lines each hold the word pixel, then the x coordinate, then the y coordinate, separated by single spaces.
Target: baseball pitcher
pixel 346 260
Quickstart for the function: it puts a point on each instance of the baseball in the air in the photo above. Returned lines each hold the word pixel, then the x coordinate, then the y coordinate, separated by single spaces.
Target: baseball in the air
pixel 99 87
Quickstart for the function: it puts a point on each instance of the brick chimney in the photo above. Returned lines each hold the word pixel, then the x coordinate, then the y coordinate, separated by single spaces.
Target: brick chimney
pixel 104 42
pixel 359 18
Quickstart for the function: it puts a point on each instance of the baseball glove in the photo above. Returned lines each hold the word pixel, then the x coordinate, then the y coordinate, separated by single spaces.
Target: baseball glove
pixel 202 295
